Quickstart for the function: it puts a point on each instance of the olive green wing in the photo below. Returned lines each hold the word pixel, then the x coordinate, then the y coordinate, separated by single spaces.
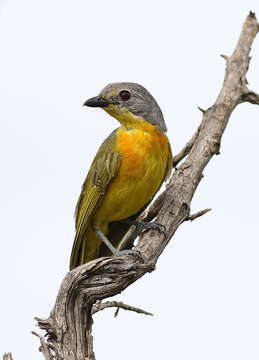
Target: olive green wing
pixel 104 167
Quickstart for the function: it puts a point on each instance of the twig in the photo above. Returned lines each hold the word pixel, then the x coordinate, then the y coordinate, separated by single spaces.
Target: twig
pixel 201 110
pixel 7 356
pixel 119 305
pixel 225 57
pixel 197 214
pixel 44 348
pixel 187 148
pixel 250 96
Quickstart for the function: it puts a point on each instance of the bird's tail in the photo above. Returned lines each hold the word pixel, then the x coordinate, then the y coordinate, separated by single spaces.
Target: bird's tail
pixel 88 246
pixel 85 248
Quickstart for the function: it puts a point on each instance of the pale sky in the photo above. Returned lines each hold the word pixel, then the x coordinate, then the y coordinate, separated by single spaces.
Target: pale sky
pixel 54 55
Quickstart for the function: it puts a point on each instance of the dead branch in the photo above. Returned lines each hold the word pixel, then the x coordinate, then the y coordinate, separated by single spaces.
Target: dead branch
pixel 119 305
pixel 250 96
pixel 44 347
pixel 187 148
pixel 69 325
pixel 7 356
pixel 197 214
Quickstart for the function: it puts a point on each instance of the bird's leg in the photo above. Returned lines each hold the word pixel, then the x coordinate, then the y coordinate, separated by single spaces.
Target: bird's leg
pixel 115 251
pixel 142 226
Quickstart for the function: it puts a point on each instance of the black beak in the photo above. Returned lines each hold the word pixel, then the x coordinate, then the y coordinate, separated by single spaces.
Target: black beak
pixel 96 101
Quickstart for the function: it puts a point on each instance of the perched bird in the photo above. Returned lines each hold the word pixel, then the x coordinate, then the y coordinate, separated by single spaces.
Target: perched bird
pixel 126 173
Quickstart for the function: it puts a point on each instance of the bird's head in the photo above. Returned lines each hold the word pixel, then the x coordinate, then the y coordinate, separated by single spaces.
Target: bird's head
pixel 131 104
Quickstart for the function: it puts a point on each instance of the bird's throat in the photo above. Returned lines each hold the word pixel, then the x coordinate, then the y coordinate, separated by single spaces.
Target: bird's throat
pixel 128 120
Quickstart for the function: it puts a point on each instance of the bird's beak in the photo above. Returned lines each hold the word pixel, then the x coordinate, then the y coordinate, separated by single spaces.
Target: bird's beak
pixel 96 101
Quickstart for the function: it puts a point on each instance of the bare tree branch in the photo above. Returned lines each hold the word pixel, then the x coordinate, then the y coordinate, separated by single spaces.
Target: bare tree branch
pixel 7 356
pixel 69 325
pixel 225 57
pixel 44 348
pixel 250 96
pixel 119 305
pixel 197 214
pixel 187 148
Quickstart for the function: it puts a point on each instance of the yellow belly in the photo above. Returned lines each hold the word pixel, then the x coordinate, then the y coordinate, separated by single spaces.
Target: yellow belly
pixel 142 169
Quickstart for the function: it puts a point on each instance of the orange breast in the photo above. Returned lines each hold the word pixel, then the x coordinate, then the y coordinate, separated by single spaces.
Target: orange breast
pixel 140 149
pixel 144 158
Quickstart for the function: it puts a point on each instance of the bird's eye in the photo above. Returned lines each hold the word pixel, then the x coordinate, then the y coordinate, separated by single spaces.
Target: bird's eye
pixel 125 95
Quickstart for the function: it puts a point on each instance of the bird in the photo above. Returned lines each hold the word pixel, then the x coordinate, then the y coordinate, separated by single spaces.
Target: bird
pixel 126 173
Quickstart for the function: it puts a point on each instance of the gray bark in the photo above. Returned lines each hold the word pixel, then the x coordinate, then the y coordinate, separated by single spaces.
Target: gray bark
pixel 69 325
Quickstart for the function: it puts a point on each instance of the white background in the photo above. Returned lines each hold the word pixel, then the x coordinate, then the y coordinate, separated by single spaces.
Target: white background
pixel 54 55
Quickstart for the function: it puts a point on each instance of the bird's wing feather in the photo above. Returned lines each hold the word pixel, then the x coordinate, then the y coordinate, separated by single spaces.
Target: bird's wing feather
pixel 105 165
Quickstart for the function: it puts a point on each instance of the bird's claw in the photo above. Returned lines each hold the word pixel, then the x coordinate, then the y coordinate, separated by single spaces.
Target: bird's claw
pixel 144 226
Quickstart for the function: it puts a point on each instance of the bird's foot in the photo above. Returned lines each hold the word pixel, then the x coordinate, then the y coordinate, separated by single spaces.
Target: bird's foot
pixel 142 226
pixel 115 251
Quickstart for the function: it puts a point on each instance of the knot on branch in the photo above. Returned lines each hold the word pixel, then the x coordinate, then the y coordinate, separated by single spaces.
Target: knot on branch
pixel 213 144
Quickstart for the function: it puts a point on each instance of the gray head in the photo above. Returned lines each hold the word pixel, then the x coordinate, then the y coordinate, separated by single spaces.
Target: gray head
pixel 129 103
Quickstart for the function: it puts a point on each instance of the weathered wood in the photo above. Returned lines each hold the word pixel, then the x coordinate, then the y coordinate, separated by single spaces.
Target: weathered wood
pixel 118 305
pixel 7 356
pixel 70 323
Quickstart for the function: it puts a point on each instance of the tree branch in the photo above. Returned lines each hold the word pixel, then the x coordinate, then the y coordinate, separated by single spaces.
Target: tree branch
pixel 44 348
pixel 7 356
pixel 197 214
pixel 250 96
pixel 187 148
pixel 119 305
pixel 69 325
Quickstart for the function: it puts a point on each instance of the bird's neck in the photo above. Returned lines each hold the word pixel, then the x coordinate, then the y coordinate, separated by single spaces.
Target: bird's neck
pixel 130 121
